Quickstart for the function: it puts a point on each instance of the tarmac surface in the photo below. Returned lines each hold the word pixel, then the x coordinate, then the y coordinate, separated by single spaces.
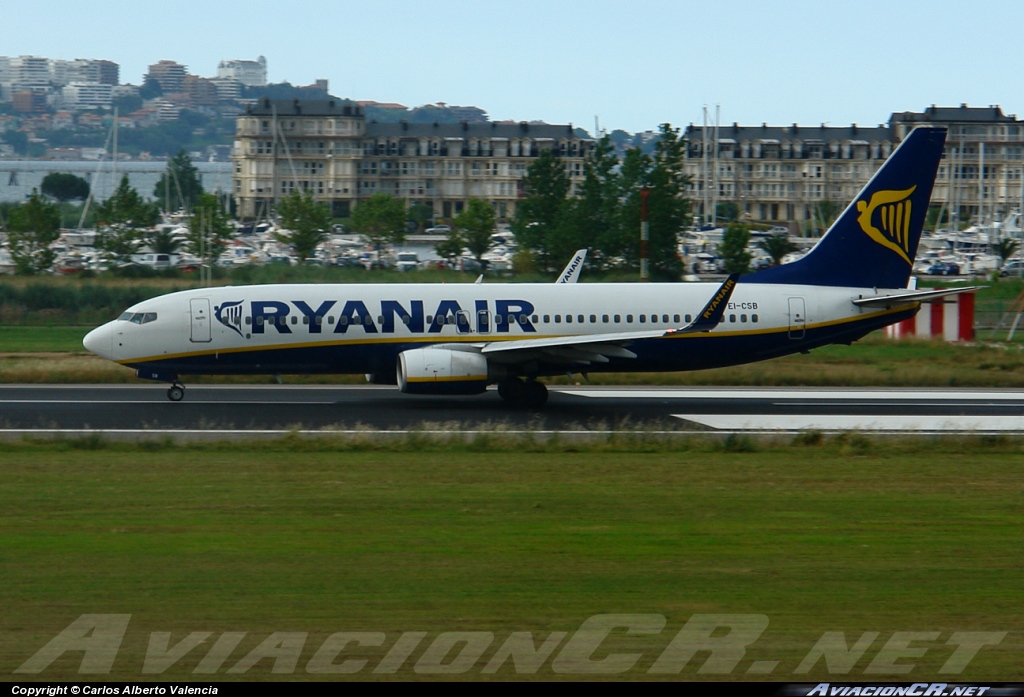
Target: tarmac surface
pixel 233 411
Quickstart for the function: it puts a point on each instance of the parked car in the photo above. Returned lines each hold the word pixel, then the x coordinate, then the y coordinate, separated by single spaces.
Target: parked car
pixel 944 268
pixel 1013 267
pixel 407 261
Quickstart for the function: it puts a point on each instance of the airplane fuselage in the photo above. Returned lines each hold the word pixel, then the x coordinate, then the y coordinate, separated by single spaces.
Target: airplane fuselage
pixel 362 328
pixel 458 339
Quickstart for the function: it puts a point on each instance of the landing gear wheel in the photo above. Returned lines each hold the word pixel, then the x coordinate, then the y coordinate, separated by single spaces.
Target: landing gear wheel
pixel 535 394
pixel 523 393
pixel 176 392
pixel 511 390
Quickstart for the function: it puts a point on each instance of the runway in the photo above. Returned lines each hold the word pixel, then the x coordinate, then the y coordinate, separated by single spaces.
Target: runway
pixel 233 411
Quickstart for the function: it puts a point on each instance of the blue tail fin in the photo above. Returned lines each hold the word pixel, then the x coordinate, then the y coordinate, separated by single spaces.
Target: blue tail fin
pixel 873 243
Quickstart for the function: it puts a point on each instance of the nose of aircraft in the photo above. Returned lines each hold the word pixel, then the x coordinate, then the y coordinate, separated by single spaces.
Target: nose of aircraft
pixel 100 341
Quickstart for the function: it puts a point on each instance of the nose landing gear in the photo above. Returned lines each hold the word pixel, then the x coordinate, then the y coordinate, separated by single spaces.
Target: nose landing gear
pixel 176 392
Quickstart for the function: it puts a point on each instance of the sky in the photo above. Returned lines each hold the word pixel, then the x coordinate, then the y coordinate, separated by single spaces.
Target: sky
pixel 632 65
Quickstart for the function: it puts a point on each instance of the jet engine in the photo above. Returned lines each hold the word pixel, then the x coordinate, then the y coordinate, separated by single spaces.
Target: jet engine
pixel 441 371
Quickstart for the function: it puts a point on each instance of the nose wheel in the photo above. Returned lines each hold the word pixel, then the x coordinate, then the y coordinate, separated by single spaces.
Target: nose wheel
pixel 176 392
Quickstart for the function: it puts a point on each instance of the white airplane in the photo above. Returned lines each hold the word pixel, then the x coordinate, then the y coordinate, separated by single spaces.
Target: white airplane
pixel 460 338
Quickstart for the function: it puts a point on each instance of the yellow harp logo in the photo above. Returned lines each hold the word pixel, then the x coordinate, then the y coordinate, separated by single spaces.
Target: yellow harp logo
pixel 893 208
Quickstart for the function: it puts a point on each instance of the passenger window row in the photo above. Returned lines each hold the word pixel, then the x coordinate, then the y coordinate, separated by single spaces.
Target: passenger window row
pixel 139 318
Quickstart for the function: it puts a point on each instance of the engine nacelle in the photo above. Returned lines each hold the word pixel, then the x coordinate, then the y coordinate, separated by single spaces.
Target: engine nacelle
pixel 441 371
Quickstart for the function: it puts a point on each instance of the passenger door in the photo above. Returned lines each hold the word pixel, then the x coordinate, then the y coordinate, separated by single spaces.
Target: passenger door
pixel 199 310
pixel 797 318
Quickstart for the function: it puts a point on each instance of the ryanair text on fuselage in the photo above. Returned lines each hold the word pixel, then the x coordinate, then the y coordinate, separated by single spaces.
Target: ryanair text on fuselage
pixel 282 316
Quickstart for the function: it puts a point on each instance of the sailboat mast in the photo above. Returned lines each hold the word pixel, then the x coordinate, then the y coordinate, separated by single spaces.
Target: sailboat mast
pixel 704 163
pixel 714 166
pixel 114 169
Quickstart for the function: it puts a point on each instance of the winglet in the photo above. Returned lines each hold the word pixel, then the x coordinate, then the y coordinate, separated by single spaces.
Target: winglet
pixel 572 270
pixel 712 314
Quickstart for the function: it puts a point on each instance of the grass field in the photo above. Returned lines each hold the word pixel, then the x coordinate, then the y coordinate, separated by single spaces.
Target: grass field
pixel 55 354
pixel 845 535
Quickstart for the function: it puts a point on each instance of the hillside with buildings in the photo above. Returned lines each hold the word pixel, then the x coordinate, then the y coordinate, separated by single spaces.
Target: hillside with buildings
pixel 282 137
pixel 64 110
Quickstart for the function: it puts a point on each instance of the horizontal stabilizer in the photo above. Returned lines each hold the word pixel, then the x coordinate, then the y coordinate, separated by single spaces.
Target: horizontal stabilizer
pixel 906 297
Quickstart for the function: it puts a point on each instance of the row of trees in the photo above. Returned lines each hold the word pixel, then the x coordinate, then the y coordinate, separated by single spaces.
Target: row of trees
pixel 605 214
pixel 124 224
pixel 736 240
pixel 383 220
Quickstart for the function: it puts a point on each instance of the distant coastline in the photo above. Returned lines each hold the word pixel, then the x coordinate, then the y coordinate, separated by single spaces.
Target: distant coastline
pixel 18 177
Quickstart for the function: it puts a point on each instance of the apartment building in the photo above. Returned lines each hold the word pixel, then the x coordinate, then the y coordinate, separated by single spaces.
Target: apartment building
pixel 169 74
pixel 780 174
pixel 250 73
pixel 43 75
pixel 329 148
pixel 981 178
pixel 86 95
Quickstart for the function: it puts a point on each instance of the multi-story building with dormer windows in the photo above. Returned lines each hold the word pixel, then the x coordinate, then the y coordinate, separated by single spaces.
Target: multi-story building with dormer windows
pixel 781 174
pixel 327 147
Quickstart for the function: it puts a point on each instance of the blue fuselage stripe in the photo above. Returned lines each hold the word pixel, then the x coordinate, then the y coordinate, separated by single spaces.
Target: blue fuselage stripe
pixel 691 352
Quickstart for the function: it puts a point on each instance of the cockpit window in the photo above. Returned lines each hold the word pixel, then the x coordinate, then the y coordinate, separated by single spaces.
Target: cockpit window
pixel 138 317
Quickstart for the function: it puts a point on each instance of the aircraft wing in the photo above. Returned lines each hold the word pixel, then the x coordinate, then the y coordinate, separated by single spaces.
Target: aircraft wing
pixel 913 296
pixel 597 348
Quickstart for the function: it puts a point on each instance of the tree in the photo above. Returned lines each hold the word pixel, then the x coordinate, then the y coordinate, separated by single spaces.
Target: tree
pixel 937 215
pixel 164 241
pixel 727 211
pixel 209 230
pixel 150 89
pixel 593 220
pixel 1004 249
pixel 127 103
pixel 777 246
pixel 733 249
pixel 31 228
pixel 545 188
pixel 452 246
pixel 668 209
pixel 122 220
pixel 18 140
pixel 421 214
pixel 476 225
pixel 305 222
pixel 179 187
pixel 65 187
pixel 380 219
pixel 825 213
pixel 633 178
pixel 668 206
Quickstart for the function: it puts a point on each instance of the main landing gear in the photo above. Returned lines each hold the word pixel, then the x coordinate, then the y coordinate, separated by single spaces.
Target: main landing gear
pixel 176 392
pixel 523 393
